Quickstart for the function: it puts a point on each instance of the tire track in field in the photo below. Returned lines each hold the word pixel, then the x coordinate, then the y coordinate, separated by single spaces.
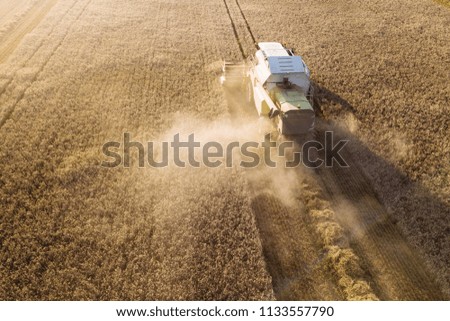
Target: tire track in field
pixel 247 25
pixel 233 26
pixel 7 114
pixel 63 16
pixel 26 24
pixel 397 270
pixel 241 28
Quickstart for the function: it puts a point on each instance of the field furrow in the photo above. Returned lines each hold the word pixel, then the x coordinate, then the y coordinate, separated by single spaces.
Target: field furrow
pixel 76 74
pixel 27 23
pixel 24 76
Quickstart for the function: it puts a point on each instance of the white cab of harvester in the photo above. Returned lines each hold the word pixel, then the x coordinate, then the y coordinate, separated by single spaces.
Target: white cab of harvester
pixel 280 86
pixel 277 82
pixel 274 63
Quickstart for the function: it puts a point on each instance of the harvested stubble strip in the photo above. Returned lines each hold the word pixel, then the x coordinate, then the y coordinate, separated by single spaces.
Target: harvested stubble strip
pixel 343 262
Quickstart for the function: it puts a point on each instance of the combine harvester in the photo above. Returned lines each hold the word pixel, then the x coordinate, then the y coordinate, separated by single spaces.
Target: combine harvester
pixel 277 83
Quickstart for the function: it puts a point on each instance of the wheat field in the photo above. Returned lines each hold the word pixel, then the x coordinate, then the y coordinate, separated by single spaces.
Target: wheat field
pixel 75 74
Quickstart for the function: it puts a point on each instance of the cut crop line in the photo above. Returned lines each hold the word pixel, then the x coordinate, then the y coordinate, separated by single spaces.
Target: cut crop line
pixel 10 110
pixel 25 26
pixel 246 23
pixel 6 85
pixel 234 29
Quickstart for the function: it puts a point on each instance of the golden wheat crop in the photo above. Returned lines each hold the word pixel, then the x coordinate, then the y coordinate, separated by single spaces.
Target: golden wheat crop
pixel 83 72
